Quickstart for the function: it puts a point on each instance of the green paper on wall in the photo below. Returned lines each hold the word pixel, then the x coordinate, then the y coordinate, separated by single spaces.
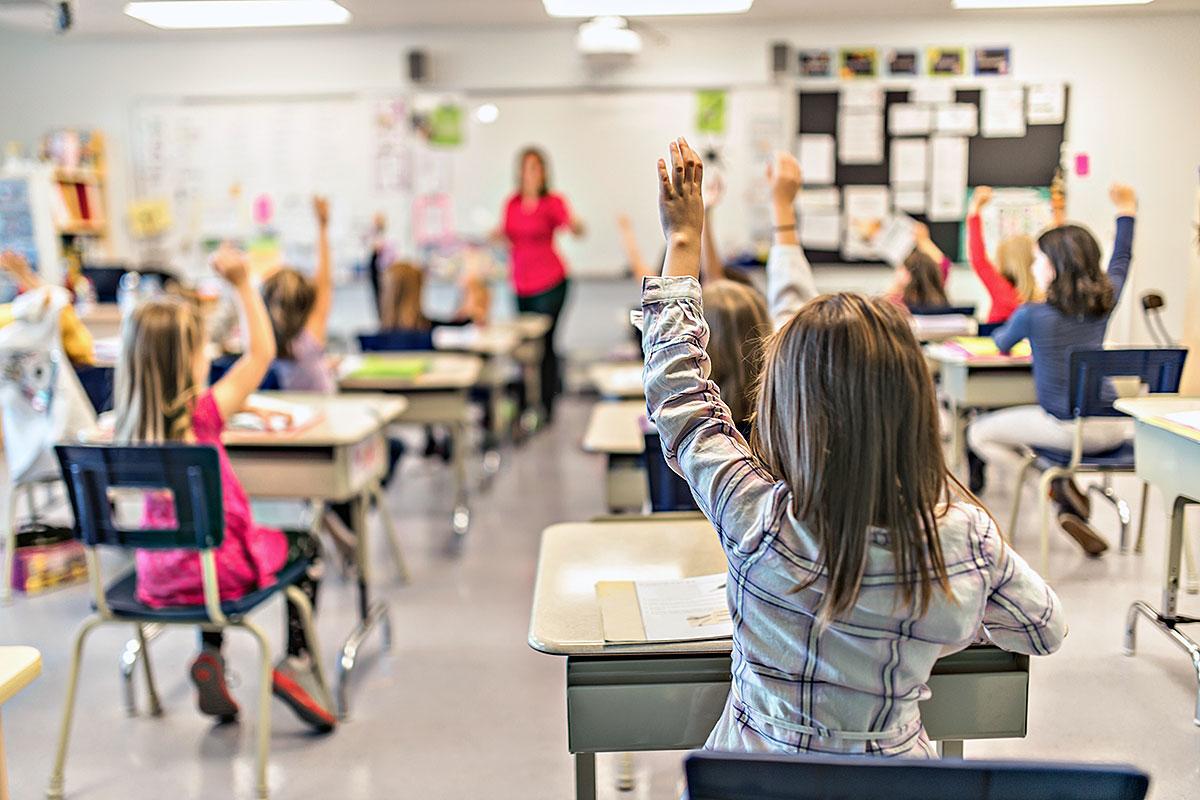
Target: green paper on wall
pixel 445 126
pixel 710 111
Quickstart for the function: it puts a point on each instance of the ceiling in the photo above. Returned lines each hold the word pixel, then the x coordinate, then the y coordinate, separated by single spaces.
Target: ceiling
pixel 105 17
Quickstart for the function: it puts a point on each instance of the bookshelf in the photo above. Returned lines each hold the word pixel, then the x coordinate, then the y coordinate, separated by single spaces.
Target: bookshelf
pixel 79 162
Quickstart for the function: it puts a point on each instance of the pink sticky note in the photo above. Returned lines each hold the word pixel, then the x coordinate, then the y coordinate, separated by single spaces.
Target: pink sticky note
pixel 263 209
pixel 1083 164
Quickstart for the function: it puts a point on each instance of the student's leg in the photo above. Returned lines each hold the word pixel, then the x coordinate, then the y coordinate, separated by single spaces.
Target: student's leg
pixel 551 304
pixel 296 680
pixel 997 437
pixel 208 675
pixel 301 545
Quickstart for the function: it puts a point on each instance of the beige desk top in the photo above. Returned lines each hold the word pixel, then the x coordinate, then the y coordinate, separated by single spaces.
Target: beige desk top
pixel 565 619
pixel 620 379
pixel 948 355
pixel 1151 410
pixel 614 427
pixel 447 371
pixel 531 326
pixel 494 340
pixel 19 665
pixel 345 419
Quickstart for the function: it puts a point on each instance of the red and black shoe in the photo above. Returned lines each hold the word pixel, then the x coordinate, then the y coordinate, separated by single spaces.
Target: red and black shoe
pixel 212 692
pixel 295 683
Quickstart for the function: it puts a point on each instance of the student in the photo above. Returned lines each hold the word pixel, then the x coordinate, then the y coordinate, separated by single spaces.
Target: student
pixel 381 255
pixel 852 567
pixel 1079 297
pixel 404 287
pixel 1012 283
pixel 161 396
pixel 76 338
pixel 712 268
pixel 920 280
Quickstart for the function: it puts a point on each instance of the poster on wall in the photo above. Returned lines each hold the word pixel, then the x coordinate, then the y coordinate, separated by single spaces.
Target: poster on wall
pixel 16 220
pixel 993 61
pixel 946 62
pixel 903 62
pixel 816 64
pixel 859 62
pixel 710 111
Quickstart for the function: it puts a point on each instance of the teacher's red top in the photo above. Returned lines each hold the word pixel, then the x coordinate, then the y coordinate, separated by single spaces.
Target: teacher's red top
pixel 536 265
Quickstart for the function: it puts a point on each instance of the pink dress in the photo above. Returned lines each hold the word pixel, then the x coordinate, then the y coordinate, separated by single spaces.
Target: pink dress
pixel 247 559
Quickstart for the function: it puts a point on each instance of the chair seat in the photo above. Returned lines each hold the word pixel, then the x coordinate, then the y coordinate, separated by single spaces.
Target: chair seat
pixel 1120 458
pixel 122 600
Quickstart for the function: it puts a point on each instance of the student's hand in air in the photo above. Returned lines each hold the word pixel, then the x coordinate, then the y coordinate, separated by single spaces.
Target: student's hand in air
pixel 980 198
pixel 230 264
pixel 1124 198
pixel 785 179
pixel 920 232
pixel 714 193
pixel 680 203
pixel 16 266
pixel 321 210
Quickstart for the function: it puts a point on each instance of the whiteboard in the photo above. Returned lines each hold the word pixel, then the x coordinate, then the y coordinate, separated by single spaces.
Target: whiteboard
pixel 602 148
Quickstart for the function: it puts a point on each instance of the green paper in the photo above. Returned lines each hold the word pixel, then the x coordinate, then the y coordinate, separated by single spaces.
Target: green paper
pixel 710 111
pixel 445 126
pixel 390 367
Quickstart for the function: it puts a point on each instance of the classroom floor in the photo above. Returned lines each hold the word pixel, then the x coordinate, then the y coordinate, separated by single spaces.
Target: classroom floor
pixel 461 707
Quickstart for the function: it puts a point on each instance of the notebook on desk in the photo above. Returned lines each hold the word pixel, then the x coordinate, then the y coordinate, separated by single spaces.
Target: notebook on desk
pixel 377 366
pixel 687 609
pixel 983 347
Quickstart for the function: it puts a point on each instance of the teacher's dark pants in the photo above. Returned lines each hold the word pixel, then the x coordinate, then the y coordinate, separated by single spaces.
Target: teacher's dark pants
pixel 550 303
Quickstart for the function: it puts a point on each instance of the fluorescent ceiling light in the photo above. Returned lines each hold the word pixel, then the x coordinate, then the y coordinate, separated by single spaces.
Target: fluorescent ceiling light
pixel 643 8
pixel 176 14
pixel 993 4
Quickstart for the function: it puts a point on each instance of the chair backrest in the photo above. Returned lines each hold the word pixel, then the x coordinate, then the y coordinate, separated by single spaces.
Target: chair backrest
pixel 668 491
pixel 727 776
pixel 1091 391
pixel 97 475
pixel 97 383
pixel 393 340
pixel 938 311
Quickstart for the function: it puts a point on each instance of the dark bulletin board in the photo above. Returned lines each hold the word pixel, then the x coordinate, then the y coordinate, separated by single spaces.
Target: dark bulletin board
pixel 1025 161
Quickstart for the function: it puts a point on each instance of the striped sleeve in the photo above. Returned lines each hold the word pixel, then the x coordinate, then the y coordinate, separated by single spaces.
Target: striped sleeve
pixel 1023 614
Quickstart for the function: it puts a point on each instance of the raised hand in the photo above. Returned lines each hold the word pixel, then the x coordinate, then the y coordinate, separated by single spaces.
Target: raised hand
pixel 920 232
pixel 785 179
pixel 1124 198
pixel 230 264
pixel 16 266
pixel 321 209
pixel 681 209
pixel 980 198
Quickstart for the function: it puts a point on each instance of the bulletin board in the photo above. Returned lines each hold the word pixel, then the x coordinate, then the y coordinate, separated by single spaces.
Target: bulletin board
pixel 1025 161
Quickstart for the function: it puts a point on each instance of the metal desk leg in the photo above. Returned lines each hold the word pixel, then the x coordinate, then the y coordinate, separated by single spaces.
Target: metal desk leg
pixel 369 614
pixel 389 530
pixel 460 518
pixel 585 776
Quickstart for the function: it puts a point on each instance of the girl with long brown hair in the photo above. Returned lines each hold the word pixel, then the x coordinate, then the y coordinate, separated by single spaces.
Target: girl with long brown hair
pixel 855 558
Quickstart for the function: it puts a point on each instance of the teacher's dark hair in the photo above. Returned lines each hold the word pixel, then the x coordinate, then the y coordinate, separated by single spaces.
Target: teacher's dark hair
pixel 1080 287
pixel 540 155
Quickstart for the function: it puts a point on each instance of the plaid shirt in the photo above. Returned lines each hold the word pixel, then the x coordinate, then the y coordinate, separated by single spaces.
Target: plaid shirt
pixel 854 687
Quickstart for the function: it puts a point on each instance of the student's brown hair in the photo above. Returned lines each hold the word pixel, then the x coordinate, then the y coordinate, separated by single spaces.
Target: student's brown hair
pixel 925 288
pixel 401 307
pixel 155 385
pixel 738 324
pixel 540 155
pixel 289 297
pixel 847 418
pixel 1080 287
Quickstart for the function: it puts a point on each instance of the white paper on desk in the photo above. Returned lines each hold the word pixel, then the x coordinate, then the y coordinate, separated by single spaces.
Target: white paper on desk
pixel 932 93
pixel 1188 419
pixel 896 240
pixel 909 119
pixel 263 413
pixel 909 164
pixel 1047 103
pixel 910 199
pixel 816 156
pixel 683 610
pixel 860 136
pixel 862 204
pixel 947 178
pixel 861 95
pixel 1002 111
pixel 956 119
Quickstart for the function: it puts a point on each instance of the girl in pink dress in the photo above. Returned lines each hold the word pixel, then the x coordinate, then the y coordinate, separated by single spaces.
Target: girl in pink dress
pixel 162 396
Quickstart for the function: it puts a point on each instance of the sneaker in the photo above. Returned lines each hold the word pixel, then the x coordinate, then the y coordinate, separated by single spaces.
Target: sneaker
pixel 295 683
pixel 1092 543
pixel 212 692
pixel 1070 498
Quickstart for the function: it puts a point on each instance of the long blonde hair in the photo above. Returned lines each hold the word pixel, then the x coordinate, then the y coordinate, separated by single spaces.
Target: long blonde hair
pixel 401 309
pixel 847 418
pixel 289 297
pixel 155 383
pixel 1014 258
pixel 738 325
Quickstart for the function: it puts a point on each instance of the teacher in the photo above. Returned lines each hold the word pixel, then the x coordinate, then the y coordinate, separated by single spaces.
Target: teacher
pixel 532 215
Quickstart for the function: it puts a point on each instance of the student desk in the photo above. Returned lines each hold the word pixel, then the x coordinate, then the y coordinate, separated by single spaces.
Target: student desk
pixel 19 666
pixel 618 380
pixel 614 429
pixel 340 458
pixel 988 382
pixel 1168 456
pixel 438 396
pixel 668 696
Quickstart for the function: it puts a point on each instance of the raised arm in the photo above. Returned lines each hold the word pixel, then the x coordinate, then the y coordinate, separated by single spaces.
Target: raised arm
pixel 712 268
pixel 318 319
pixel 699 438
pixel 1023 614
pixel 633 254
pixel 1125 200
pixel 923 242
pixel 789 276
pixel 244 377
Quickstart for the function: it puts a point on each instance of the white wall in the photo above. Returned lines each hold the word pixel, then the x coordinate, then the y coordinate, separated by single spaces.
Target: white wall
pixel 1135 104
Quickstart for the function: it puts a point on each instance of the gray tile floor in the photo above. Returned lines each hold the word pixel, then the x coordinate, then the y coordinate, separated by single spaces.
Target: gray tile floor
pixel 461 707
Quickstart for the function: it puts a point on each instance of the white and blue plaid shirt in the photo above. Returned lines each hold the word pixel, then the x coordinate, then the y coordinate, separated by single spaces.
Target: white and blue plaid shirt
pixel 853 687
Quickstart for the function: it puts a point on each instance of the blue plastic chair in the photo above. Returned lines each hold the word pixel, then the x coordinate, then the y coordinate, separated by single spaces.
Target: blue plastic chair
pixel 668 491
pixel 97 477
pixel 1092 395
pixel 941 311
pixel 97 383
pixel 396 340
pixel 729 776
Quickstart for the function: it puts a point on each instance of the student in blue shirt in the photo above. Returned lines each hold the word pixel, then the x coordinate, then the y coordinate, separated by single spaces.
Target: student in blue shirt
pixel 1079 299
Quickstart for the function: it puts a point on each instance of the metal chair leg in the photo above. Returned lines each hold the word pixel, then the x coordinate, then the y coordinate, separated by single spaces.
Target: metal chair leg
pixel 1026 465
pixel 1141 537
pixel 460 520
pixel 148 673
pixel 55 790
pixel 1106 491
pixel 10 549
pixel 300 599
pixel 389 531
pixel 264 708
pixel 1048 477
